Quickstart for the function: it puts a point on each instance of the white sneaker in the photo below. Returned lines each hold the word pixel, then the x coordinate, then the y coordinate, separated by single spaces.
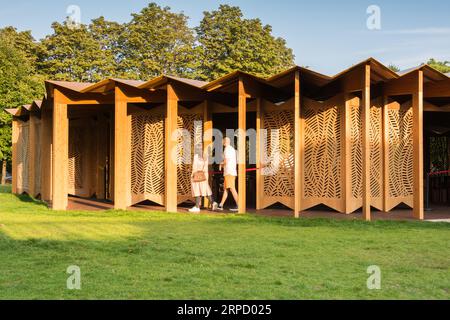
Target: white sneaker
pixel 194 210
pixel 215 206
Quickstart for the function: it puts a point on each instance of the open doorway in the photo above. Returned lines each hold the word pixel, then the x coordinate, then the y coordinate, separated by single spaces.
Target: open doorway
pixel 229 121
pixel 437 159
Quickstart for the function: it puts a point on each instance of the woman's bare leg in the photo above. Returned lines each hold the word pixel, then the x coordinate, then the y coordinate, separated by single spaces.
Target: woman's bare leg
pixel 224 198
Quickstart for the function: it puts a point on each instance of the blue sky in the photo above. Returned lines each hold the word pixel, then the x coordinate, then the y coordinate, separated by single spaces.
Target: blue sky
pixel 328 36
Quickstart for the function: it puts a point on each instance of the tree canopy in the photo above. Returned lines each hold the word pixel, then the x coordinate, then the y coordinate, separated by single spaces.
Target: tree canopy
pixel 228 42
pixel 157 41
pixel 19 81
pixel 74 54
pixel 442 66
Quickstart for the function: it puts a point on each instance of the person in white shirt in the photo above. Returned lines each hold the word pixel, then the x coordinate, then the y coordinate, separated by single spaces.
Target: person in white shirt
pixel 229 166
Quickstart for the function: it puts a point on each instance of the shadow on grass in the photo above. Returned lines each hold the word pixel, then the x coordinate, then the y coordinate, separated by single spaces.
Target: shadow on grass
pixel 27 199
pixel 6 189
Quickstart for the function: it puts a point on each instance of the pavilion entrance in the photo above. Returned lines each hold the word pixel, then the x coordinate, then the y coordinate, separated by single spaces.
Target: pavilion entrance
pixel 89 153
pixel 229 122
pixel 437 158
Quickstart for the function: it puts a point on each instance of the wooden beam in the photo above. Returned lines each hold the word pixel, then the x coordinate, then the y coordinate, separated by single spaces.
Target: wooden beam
pixel 15 141
pixel 365 113
pixel 418 206
pixel 207 135
pixel 437 89
pixel 259 177
pixel 346 154
pixel 297 146
pixel 46 154
pixel 242 137
pixel 70 97
pixel 400 86
pixel 122 161
pixel 170 146
pixel 33 145
pixel 101 155
pixel 60 166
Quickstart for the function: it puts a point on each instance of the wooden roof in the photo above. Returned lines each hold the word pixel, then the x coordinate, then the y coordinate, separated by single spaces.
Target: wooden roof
pixel 164 79
pixel 428 72
pixel 74 86
pixel 320 84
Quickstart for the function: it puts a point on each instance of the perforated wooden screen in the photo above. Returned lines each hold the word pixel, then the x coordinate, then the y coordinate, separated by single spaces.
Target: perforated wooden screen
pixel 80 158
pixel 400 155
pixel 192 125
pixel 322 180
pixel 278 156
pixel 147 158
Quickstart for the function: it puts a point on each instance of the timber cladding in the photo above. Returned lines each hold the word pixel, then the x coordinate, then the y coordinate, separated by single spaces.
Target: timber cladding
pixel 347 142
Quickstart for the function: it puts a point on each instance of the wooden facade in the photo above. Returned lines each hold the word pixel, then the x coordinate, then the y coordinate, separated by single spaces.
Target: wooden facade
pixel 349 142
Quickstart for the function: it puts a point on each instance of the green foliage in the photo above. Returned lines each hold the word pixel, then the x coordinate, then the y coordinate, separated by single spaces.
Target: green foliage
pixel 23 41
pixel 5 137
pixel 228 42
pixel 109 37
pixel 19 83
pixel 394 68
pixel 442 66
pixel 157 41
pixel 74 54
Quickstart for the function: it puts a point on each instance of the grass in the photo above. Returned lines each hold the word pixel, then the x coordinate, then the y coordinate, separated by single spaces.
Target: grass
pixel 140 255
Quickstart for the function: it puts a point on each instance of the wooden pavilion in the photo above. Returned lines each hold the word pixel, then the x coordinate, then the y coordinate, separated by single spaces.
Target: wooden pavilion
pixel 348 142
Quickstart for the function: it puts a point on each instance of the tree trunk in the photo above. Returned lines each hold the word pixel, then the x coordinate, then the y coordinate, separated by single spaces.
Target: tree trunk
pixel 3 182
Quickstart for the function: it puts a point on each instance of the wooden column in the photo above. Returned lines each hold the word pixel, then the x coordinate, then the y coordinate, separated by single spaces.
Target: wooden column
pixel 366 144
pixel 207 136
pixel 60 166
pixel 170 147
pixel 101 153
pixel 34 144
pixel 385 160
pixel 242 175
pixel 297 143
pixel 122 161
pixel 418 206
pixel 15 141
pixel 259 177
pixel 346 155
pixel 46 154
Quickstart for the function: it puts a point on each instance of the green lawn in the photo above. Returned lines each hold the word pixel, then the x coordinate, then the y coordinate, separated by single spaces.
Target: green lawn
pixel 139 255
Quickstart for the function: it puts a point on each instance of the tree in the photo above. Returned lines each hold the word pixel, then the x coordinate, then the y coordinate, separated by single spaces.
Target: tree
pixel 228 42
pixel 23 41
pixel 74 54
pixel 157 41
pixel 442 66
pixel 19 85
pixel 394 68
pixel 109 36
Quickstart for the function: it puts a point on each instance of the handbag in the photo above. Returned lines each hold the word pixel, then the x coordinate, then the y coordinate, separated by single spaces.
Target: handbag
pixel 199 176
